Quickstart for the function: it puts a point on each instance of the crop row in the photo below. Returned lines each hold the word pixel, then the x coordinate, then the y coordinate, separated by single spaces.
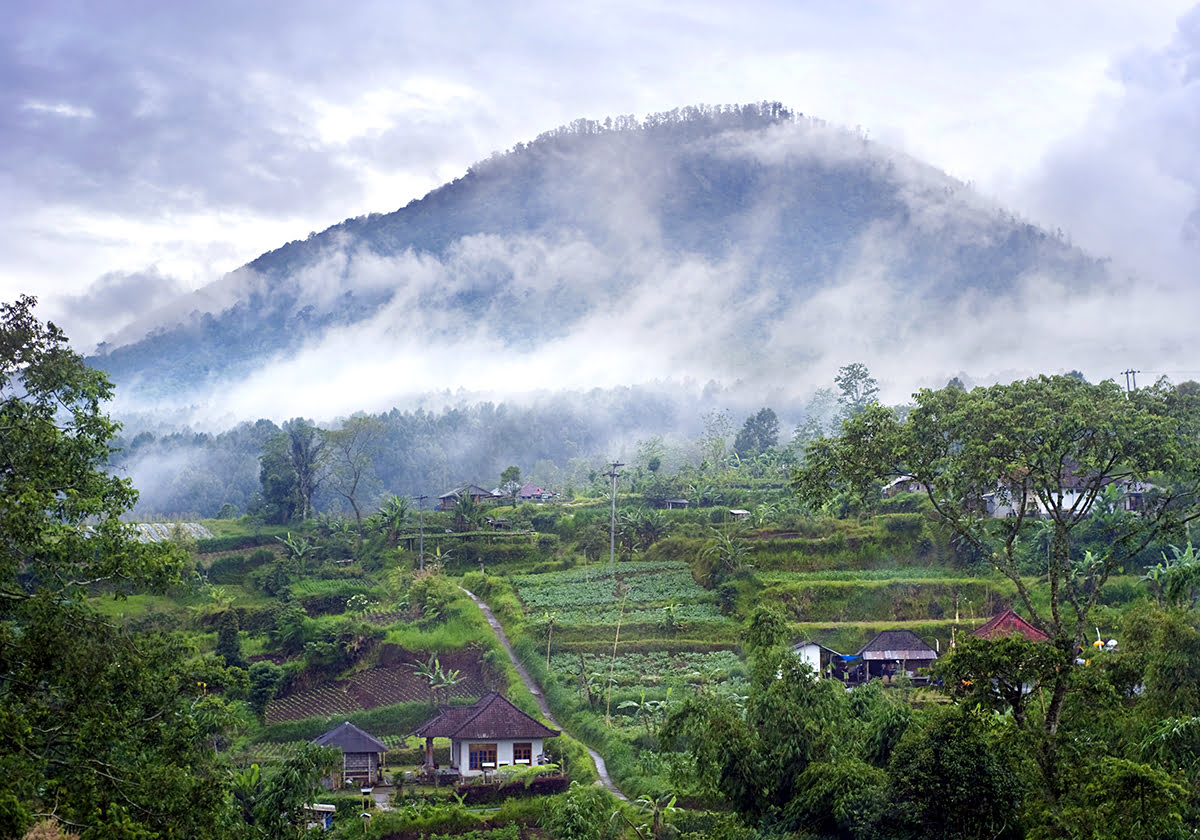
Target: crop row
pixel 686 671
pixel 704 612
pixel 322 701
pixel 368 690
pixel 665 583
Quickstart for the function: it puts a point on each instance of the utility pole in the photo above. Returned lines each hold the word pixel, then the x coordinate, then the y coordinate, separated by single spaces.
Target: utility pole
pixel 421 555
pixel 612 539
pixel 1128 374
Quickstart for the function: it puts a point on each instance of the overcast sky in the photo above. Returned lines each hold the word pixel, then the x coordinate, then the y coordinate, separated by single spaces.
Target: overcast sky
pixel 147 147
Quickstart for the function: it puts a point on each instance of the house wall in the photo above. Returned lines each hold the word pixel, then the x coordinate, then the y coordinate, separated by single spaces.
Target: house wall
pixel 811 656
pixel 460 752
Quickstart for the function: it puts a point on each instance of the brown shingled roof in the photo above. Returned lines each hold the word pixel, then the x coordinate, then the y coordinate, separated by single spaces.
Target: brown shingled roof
pixel 490 717
pixel 1008 623
pixel 351 739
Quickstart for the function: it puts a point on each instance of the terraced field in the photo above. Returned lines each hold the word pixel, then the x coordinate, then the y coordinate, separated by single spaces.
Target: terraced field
pixel 383 686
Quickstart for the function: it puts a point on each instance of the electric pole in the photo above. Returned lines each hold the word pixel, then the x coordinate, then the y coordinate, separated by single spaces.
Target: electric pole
pixel 612 539
pixel 421 543
pixel 1128 374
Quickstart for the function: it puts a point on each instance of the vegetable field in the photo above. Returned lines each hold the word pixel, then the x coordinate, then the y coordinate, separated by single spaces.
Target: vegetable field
pixel 384 686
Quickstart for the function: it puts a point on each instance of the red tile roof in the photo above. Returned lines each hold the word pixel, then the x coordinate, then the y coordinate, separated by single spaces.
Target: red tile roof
pixel 490 717
pixel 1008 623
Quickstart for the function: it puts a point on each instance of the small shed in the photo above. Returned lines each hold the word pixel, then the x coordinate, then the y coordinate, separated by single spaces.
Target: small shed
pixel 893 652
pixel 675 504
pixel 1008 623
pixel 490 733
pixel 362 754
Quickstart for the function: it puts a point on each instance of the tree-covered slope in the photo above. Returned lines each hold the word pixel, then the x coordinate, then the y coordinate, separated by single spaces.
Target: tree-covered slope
pixel 755 206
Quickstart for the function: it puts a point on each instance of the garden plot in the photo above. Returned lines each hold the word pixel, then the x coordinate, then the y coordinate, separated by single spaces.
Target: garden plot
pixel 635 593
pixel 383 686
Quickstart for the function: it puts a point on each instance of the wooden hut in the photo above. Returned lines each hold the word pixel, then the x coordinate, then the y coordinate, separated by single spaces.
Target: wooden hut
pixel 362 754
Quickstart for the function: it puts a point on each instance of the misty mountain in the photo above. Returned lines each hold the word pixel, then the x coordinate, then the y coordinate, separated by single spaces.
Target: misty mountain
pixel 708 242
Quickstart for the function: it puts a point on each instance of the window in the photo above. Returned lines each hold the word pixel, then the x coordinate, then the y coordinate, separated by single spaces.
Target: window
pixel 482 754
pixel 523 753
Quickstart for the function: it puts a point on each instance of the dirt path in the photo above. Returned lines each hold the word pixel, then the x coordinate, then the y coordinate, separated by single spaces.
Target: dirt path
pixel 536 691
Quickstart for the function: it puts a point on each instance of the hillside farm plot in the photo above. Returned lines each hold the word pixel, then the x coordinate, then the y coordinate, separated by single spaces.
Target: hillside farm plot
pixel 636 692
pixel 682 671
pixel 592 595
pixel 382 686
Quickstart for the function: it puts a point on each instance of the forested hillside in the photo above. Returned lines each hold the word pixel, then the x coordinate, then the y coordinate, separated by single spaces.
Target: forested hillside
pixel 759 207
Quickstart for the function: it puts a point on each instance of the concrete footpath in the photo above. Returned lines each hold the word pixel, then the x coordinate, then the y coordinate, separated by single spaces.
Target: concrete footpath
pixel 536 691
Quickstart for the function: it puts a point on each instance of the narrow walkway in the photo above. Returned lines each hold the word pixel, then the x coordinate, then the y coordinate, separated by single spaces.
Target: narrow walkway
pixel 536 691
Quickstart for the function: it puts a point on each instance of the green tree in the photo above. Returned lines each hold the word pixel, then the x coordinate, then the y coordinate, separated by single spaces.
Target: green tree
pixel 229 643
pixel 265 677
pixel 953 778
pixel 755 757
pixel 293 466
pixel 393 517
pixel 759 433
pixel 858 389
pixel 100 725
pixel 510 483
pixel 352 451
pixel 271 803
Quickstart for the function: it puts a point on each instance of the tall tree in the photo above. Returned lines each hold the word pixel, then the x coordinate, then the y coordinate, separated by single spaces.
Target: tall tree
pixel 858 389
pixel 759 433
pixel 352 450
pixel 101 727
pixel 510 482
pixel 307 448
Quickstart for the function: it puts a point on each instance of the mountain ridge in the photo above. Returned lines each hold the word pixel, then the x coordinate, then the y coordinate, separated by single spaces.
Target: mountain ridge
pixel 756 205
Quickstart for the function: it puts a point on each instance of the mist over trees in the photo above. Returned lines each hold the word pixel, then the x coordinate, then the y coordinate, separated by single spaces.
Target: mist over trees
pixel 520 256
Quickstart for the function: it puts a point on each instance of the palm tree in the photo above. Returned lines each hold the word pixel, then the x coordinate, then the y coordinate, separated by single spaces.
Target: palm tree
pixel 468 512
pixel 393 515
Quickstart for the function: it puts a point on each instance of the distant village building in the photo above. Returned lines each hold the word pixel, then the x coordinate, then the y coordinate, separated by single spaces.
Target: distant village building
pixel 447 501
pixel 895 652
pixel 1008 623
pixel 530 492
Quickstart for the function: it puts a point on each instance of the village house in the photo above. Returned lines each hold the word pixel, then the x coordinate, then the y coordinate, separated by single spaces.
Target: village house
pixel 1008 623
pixel 447 501
pixel 895 652
pixel 490 733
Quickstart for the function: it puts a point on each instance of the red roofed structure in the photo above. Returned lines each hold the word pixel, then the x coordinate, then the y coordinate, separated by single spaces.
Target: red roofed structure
pixel 1008 623
pixel 489 734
